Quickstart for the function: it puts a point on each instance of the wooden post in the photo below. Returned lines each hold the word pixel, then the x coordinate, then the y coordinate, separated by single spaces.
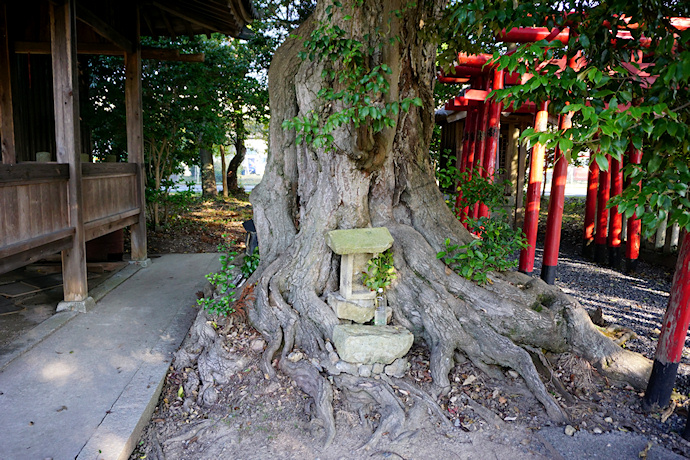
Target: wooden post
pixel 466 160
pixel 536 172
pixel 135 141
pixel 674 328
pixel 602 214
pixel 492 132
pixel 615 218
pixel 63 31
pixel 590 208
pixel 556 203
pixel 470 132
pixel 520 181
pixel 9 155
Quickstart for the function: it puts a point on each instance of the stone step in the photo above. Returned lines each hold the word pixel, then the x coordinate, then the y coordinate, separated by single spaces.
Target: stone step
pixel 357 343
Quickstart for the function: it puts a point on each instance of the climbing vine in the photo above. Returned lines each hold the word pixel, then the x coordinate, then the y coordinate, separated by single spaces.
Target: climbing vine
pixel 361 84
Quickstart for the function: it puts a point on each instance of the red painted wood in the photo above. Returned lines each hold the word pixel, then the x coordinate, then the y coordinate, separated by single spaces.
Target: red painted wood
pixel 466 136
pixel 536 173
pixel 602 199
pixel 632 248
pixel 677 317
pixel 480 147
pixel 556 201
pixel 591 201
pixel 533 34
pixel 492 132
pixel 469 167
pixel 616 218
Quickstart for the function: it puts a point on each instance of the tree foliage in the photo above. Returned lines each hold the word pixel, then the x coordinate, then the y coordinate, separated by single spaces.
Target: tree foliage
pixel 186 105
pixel 629 87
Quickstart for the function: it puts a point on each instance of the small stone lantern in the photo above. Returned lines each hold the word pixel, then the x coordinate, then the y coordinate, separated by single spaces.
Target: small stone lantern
pixel 354 301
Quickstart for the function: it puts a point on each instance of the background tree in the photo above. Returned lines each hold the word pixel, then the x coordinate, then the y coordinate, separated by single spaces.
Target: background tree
pixel 356 94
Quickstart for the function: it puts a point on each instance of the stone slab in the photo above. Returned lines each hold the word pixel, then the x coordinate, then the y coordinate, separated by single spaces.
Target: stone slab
pixel 350 310
pixel 371 344
pixel 359 240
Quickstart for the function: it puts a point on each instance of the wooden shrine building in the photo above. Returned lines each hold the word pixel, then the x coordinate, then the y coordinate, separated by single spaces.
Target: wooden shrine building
pixel 52 198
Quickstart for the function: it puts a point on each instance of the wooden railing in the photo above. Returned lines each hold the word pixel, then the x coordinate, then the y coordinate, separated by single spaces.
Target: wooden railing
pixel 33 206
pixel 109 195
pixel 34 219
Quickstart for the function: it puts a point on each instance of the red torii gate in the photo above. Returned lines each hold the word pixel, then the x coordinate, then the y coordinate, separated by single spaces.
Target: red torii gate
pixel 477 70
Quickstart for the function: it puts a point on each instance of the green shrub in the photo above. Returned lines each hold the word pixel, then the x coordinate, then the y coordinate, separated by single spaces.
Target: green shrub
pixel 222 281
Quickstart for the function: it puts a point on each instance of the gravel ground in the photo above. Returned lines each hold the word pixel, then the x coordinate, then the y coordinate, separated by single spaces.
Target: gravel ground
pixel 636 301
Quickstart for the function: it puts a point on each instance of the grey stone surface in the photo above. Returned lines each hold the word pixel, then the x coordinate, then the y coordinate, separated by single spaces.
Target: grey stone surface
pixel 359 240
pixel 365 370
pixel 86 390
pixel 350 310
pixel 81 306
pixel 607 446
pixel 398 368
pixel 371 344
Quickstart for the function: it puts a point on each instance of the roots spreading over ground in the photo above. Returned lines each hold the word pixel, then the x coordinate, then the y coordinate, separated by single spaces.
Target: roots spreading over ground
pixel 307 192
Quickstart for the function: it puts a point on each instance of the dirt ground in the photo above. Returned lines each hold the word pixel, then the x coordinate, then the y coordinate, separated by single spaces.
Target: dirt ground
pixel 252 417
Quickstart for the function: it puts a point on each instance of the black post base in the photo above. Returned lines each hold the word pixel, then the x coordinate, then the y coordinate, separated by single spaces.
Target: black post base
pixel 588 249
pixel 600 254
pixel 548 274
pixel 615 257
pixel 630 265
pixel 660 386
pixel 529 273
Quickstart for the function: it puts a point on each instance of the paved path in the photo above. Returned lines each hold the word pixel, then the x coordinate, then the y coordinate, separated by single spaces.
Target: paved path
pixel 87 389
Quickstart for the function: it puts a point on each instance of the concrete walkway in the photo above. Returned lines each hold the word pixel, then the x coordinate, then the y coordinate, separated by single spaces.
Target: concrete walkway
pixel 88 387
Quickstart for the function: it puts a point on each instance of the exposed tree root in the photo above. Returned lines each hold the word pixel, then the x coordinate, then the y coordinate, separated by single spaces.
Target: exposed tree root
pixel 309 191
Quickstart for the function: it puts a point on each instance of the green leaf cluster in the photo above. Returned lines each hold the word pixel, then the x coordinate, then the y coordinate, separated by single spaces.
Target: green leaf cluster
pixel 222 303
pixel 380 272
pixel 618 101
pixel 359 90
pixel 494 250
pixel 250 263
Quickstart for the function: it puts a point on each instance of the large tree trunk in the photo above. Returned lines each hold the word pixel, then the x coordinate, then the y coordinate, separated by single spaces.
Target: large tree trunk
pixel 236 162
pixel 389 182
pixel 208 173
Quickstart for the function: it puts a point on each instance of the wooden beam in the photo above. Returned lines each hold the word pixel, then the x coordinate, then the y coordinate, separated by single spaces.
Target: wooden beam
pixel 105 49
pixel 63 33
pixel 105 225
pixel 108 169
pixel 199 19
pixel 27 245
pixel 31 172
pixel 7 145
pixel 34 254
pixel 135 138
pixel 103 29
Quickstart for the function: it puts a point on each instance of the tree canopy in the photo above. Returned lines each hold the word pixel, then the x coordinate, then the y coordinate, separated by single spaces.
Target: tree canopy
pixel 628 87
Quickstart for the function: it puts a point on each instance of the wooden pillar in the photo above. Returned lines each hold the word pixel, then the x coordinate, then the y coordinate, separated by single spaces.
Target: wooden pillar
pixel 536 173
pixel 590 208
pixel 470 132
pixel 63 34
pixel 674 329
pixel 520 181
pixel 7 145
pixel 135 141
pixel 556 202
pixel 480 148
pixel 602 214
pixel 615 218
pixel 492 131
pixel 466 162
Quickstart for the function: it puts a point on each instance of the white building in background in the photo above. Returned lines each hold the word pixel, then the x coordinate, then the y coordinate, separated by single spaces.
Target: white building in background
pixel 254 163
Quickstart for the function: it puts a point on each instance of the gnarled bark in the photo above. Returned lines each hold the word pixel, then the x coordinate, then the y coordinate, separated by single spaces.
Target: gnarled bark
pixel 387 180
